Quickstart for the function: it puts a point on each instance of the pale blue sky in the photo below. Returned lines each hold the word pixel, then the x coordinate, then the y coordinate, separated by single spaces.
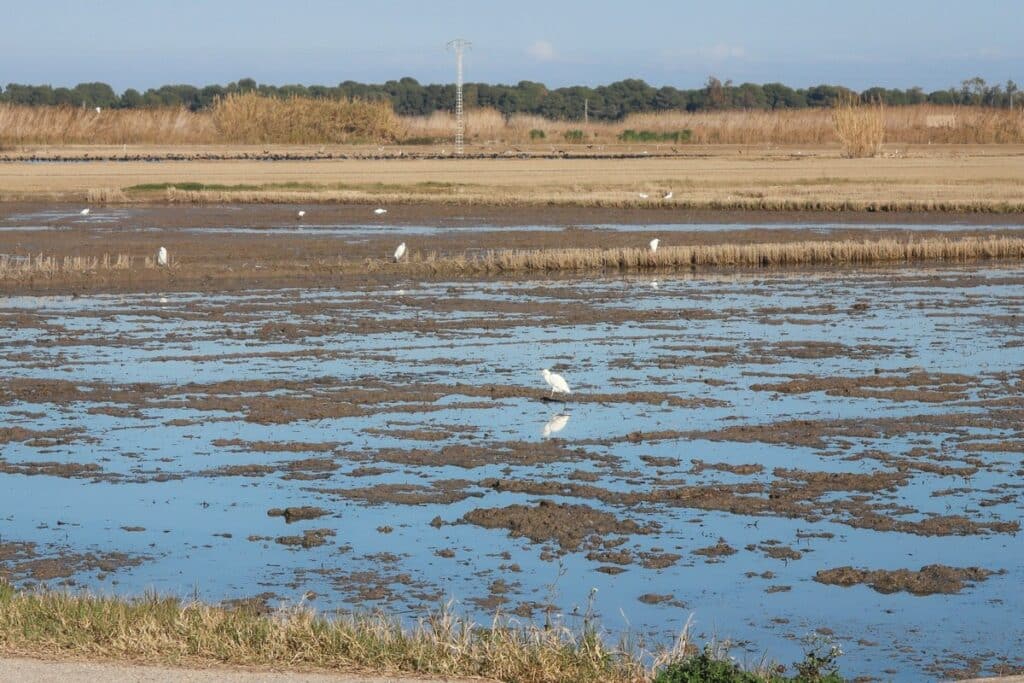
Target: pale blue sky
pixel 144 43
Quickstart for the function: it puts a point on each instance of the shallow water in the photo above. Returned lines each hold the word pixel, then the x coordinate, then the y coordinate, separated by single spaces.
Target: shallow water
pixel 710 340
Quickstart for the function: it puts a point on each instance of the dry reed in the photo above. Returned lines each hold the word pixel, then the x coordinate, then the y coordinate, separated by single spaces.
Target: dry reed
pixel 21 267
pixel 860 129
pixel 250 119
pixel 761 255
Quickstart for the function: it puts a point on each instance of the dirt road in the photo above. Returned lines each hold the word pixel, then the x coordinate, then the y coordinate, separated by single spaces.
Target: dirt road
pixel 36 671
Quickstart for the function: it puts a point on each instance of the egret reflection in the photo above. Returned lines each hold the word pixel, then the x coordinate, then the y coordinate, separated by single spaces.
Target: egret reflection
pixel 555 424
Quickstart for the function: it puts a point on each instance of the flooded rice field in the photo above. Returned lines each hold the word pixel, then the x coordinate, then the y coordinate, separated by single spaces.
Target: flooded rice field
pixel 771 454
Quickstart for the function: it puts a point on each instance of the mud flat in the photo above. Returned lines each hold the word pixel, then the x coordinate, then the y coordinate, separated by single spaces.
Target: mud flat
pixel 776 452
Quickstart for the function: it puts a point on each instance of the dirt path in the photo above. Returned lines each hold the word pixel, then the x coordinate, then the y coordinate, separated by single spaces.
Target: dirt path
pixel 36 671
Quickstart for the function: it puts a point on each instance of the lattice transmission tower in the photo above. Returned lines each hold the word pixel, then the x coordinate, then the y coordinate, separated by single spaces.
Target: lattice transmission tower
pixel 459 46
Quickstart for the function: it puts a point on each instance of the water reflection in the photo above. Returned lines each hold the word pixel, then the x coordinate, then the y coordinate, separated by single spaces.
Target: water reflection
pixel 555 425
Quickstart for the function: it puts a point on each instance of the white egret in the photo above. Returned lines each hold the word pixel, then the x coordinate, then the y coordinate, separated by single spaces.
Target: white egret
pixel 556 382
pixel 400 252
pixel 643 195
pixel 83 212
pixel 654 245
pixel 161 256
pixel 667 195
pixel 555 424
pixel 300 215
pixel 98 110
pixel 380 212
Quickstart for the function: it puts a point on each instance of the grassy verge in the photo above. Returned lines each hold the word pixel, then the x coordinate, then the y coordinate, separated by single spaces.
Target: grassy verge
pixel 166 630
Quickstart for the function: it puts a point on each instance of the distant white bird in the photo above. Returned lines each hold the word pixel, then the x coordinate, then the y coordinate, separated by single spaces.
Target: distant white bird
pixel 654 245
pixel 400 252
pixel 83 212
pixel 98 110
pixel 380 212
pixel 667 195
pixel 643 195
pixel 161 256
pixel 556 382
pixel 300 214
pixel 654 284
pixel 555 425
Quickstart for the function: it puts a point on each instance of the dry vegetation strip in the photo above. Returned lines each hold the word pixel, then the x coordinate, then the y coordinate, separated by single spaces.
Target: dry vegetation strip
pixel 165 630
pixel 258 120
pixel 758 255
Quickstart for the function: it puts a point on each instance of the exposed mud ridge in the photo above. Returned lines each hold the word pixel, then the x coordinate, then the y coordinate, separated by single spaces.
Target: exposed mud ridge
pixel 915 386
pixel 438 493
pixel 565 524
pixel 297 514
pixel 795 494
pixel 40 438
pixel 930 579
pixel 310 538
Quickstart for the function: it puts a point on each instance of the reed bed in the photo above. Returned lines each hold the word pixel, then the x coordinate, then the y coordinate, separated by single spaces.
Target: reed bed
pixel 16 267
pixel 77 126
pixel 21 267
pixel 760 255
pixel 156 629
pixel 922 124
pixel 251 119
pixel 518 261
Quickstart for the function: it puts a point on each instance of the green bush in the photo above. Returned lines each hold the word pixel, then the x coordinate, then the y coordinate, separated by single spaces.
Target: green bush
pixel 704 668
pixel 537 134
pixel 574 135
pixel 630 135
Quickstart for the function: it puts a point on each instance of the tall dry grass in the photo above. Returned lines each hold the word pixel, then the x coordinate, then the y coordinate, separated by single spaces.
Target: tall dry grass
pixel 912 124
pixel 441 644
pixel 251 119
pixel 76 126
pixel 21 267
pixel 760 255
pixel 860 129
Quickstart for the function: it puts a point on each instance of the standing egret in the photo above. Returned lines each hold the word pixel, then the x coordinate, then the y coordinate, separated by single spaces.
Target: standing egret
pixel 400 252
pixel 300 215
pixel 98 110
pixel 643 195
pixel 161 256
pixel 83 212
pixel 654 245
pixel 555 424
pixel 556 382
pixel 667 195
pixel 380 212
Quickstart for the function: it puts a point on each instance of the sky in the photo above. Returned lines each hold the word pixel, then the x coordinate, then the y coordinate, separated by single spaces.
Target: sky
pixel 933 44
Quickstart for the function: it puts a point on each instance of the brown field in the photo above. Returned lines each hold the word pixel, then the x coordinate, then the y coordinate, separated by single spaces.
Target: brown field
pixel 964 178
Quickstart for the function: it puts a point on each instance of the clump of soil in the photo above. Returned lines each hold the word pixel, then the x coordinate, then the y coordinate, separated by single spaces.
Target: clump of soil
pixel 657 599
pixel 930 579
pixel 568 525
pixel 296 514
pixel 310 538
pixel 715 552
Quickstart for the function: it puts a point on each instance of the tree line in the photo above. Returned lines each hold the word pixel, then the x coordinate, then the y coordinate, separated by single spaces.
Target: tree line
pixel 605 102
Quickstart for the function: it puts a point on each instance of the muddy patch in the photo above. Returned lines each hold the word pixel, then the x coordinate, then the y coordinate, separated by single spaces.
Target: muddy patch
pixel 928 580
